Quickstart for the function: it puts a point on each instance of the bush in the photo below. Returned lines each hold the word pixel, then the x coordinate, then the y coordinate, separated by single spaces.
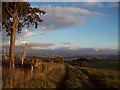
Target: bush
pixel 57 60
pixel 17 58
pixel 83 64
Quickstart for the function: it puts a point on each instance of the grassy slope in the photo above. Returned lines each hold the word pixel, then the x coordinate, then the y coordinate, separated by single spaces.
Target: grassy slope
pixel 55 75
pixel 113 65
pixel 105 65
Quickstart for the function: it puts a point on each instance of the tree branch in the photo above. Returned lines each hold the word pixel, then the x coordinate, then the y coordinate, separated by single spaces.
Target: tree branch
pixel 9 12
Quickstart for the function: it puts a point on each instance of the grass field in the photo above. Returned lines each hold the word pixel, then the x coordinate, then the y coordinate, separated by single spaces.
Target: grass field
pixel 56 75
pixel 105 65
pixel 114 65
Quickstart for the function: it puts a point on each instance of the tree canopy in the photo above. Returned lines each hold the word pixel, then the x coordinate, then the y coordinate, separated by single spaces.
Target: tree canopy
pixel 26 15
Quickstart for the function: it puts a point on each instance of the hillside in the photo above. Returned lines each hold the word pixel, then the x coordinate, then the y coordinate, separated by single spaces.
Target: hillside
pixel 57 75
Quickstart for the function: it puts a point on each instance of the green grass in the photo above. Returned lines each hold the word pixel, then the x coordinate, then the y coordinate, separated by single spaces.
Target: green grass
pixel 105 65
pixel 114 65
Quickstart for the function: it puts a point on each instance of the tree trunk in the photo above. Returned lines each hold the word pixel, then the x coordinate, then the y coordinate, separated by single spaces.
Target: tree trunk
pixel 12 48
pixel 24 54
pixel 12 40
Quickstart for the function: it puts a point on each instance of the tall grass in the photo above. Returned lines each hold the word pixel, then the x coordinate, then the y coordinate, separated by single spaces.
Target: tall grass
pixel 46 76
pixel 103 78
pixel 56 75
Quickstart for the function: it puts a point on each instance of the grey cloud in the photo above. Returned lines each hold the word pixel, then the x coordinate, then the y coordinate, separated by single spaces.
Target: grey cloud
pixel 25 33
pixel 5 39
pixel 58 18
pixel 91 4
pixel 66 43
pixel 19 36
pixel 100 4
pixel 0 42
pixel 63 50
pixel 88 51
pixel 34 44
pixel 113 4
pixel 43 45
pixel 44 34
pixel 63 17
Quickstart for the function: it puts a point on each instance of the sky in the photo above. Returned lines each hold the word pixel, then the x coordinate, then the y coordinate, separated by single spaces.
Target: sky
pixel 74 27
pixel 60 0
pixel 73 0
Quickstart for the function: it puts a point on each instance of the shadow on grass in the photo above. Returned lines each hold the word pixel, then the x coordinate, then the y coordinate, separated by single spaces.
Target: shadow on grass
pixel 63 81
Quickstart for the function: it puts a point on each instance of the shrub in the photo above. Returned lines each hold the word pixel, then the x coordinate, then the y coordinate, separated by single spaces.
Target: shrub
pixel 83 64
pixel 57 60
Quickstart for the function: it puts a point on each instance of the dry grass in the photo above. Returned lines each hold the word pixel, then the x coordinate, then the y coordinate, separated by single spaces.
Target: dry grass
pixel 57 75
pixel 103 78
pixel 47 75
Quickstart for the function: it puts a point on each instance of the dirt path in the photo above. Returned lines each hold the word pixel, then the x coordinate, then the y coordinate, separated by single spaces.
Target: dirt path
pixel 62 83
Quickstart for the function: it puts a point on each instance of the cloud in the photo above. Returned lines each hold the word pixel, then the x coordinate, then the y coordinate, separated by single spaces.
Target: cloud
pixel 113 5
pixel 103 49
pixel 48 48
pixel 21 43
pixel 19 46
pixel 90 0
pixel 74 48
pixel 69 48
pixel 0 36
pixel 35 45
pixel 60 17
pixel 5 39
pixel 98 0
pixel 100 4
pixel 86 51
pixel 63 17
pixel 114 0
pixel 44 34
pixel 66 43
pixel 95 4
pixel 42 45
pixel 25 33
pixel 100 14
pixel 98 49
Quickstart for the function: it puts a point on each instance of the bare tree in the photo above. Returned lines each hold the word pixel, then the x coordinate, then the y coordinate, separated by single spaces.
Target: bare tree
pixel 4 52
pixel 25 50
